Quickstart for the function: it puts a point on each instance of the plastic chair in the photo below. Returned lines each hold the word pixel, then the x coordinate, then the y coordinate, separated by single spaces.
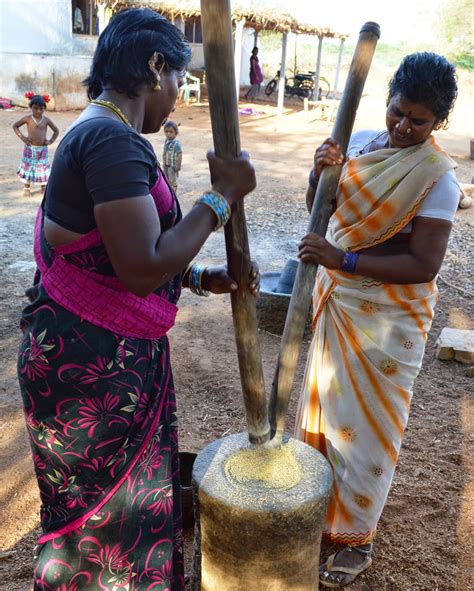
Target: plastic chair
pixel 192 84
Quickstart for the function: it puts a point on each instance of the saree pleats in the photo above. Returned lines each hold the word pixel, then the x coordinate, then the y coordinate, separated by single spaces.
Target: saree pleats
pixel 365 354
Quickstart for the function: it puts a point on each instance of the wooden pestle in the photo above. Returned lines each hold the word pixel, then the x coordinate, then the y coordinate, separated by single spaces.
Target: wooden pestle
pixel 223 101
pixel 321 212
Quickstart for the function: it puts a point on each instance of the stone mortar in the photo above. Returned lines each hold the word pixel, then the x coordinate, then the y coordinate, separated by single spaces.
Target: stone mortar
pixel 258 529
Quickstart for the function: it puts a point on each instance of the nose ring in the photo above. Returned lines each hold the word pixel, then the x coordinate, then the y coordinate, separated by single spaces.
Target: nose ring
pixel 408 129
pixel 397 125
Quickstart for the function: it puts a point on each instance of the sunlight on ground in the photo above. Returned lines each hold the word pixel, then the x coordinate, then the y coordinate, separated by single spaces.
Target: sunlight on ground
pixel 466 513
pixel 459 319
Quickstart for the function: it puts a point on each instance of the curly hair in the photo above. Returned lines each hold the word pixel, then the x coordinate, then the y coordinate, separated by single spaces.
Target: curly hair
pixel 124 48
pixel 426 78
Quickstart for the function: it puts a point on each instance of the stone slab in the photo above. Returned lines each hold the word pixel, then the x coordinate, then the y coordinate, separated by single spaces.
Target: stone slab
pixel 457 344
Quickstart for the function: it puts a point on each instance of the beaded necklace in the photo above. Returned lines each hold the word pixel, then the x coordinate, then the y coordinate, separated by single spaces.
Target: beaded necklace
pixel 112 107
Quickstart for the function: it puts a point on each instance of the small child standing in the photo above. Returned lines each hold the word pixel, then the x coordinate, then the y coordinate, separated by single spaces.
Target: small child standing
pixel 34 167
pixel 172 154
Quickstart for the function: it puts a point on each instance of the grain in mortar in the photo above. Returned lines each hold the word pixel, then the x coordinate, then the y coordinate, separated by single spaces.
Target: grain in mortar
pixel 271 468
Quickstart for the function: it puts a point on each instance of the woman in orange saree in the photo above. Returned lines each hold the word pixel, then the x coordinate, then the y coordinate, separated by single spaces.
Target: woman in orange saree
pixel 374 300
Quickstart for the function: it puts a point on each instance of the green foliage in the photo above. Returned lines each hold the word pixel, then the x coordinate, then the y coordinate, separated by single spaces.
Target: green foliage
pixel 464 60
pixel 456 29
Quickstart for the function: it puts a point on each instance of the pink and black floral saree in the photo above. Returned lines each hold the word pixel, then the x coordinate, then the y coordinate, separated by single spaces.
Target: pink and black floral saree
pixel 95 376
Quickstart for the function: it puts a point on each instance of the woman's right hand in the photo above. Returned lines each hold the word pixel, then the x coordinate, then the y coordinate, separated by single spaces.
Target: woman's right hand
pixel 328 154
pixel 232 178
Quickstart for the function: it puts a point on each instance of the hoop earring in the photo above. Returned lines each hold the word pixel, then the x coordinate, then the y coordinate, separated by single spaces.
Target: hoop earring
pixel 152 65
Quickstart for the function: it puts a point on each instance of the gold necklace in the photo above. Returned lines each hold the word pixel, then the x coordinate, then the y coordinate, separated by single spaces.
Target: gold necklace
pixel 112 107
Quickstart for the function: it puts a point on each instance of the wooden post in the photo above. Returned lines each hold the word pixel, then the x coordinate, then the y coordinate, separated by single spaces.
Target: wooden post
pixel 295 67
pixel 282 82
pixel 317 74
pixel 320 214
pixel 239 32
pixel 338 68
pixel 223 103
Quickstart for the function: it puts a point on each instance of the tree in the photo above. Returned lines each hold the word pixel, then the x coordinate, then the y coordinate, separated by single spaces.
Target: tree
pixel 456 26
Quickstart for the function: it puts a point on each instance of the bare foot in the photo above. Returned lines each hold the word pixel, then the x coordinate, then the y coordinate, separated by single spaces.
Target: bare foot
pixel 27 192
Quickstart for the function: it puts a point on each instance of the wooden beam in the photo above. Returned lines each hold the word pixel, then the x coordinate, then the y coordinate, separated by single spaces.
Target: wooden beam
pixel 338 68
pixel 239 33
pixel 223 104
pixel 317 74
pixel 282 82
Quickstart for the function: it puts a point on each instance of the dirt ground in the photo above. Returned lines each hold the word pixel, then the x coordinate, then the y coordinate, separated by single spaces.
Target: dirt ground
pixel 423 540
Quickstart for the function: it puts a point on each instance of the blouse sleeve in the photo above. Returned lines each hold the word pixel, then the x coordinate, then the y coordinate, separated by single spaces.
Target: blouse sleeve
pixel 119 167
pixel 443 199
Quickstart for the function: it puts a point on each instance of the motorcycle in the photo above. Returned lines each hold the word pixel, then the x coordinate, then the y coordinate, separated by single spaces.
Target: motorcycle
pixel 301 85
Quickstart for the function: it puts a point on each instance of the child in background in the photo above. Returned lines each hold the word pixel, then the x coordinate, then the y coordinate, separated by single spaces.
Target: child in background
pixel 172 154
pixel 34 167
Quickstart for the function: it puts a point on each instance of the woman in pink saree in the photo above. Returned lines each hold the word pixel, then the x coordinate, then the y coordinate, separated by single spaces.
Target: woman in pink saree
pixel 113 252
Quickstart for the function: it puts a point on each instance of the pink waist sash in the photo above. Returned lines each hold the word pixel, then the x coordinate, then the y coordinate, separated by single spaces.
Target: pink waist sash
pixel 101 300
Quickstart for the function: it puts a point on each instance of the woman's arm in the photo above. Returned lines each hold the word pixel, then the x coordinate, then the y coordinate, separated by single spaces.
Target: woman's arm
pixel 142 256
pixel 426 251
pixel 421 263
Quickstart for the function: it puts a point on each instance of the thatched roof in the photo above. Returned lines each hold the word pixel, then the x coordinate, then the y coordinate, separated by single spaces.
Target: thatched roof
pixel 260 20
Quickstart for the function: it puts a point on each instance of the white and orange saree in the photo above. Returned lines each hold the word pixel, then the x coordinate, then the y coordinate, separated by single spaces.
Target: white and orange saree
pixel 369 339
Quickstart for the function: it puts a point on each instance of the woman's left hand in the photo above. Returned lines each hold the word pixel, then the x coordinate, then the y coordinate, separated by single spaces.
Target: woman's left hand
pixel 317 250
pixel 217 280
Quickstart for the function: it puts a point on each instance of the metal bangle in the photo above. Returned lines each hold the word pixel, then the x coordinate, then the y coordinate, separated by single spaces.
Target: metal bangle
pixel 349 262
pixel 219 205
pixel 195 280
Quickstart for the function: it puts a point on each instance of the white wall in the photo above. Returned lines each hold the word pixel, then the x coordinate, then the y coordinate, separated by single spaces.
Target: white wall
pixel 39 52
pixel 197 60
pixel 41 27
pixel 59 76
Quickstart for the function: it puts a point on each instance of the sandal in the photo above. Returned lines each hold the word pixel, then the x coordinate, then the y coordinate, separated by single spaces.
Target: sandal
pixel 333 576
